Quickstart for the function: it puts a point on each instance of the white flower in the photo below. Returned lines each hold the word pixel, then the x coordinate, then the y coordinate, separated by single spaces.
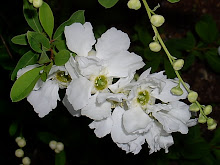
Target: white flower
pixel 97 68
pixel 44 96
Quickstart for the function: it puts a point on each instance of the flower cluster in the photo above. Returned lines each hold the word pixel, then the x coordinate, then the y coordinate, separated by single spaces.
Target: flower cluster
pixel 100 84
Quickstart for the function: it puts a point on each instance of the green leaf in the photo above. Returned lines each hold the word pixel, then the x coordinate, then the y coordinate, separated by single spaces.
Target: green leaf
pixel 31 16
pixel 143 35
pixel 78 16
pixel 46 72
pixel 46 137
pixel 37 41
pixel 189 60
pixel 43 58
pixel 24 84
pixel 60 158
pixel 213 60
pixel 215 139
pixel 207 29
pixel 13 128
pixel 46 18
pixel 28 58
pixel 20 39
pixel 107 3
pixel 60 44
pixel 62 57
pixel 173 1
pixel 169 69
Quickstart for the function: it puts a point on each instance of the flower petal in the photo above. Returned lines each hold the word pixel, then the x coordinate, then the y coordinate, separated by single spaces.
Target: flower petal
pixel 79 38
pixel 96 111
pixel 71 67
pixel 78 92
pixel 102 97
pixel 70 108
pixel 135 119
pixel 44 99
pixel 102 127
pixel 118 133
pixel 111 43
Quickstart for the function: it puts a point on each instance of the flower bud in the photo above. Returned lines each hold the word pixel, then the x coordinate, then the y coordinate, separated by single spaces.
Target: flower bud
pixel 213 126
pixel 31 1
pixel 177 91
pixel 17 139
pixel 210 121
pixel 201 119
pixel 207 109
pixel 21 143
pixel 37 3
pixel 60 146
pixel 157 20
pixel 19 153
pixel 53 144
pixel 26 161
pixel 178 64
pixel 134 4
pixel 155 46
pixel 192 96
pixel 194 107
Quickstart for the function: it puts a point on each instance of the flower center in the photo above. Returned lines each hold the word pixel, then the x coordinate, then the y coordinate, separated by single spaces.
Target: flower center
pixel 62 77
pixel 101 82
pixel 143 97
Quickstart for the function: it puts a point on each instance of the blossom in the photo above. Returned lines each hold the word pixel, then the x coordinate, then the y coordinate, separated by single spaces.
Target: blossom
pixel 97 68
pixel 45 95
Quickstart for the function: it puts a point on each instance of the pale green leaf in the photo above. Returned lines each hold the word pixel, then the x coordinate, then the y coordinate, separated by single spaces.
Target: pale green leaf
pixel 46 18
pixel 107 3
pixel 28 58
pixel 46 71
pixel 78 16
pixel 25 84
pixel 37 41
pixel 173 1
pixel 62 57
pixel 31 16
pixel 43 58
pixel 20 39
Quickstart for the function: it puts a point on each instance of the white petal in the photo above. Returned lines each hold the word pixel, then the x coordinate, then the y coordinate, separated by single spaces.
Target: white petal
pixel 118 133
pixel 165 142
pixel 70 107
pixel 96 111
pixel 79 38
pixel 79 92
pixel 145 74
pixel 72 68
pixel 192 122
pixel 26 69
pixel 44 99
pixel 111 43
pixel 123 63
pixel 102 97
pixel 135 119
pixel 102 127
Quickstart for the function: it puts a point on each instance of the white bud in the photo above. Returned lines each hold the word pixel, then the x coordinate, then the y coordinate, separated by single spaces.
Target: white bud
pixel 17 139
pixel 53 144
pixel 213 126
pixel 134 4
pixel 219 50
pixel 192 96
pixel 201 119
pixel 21 143
pixel 37 3
pixel 57 151
pixel 178 64
pixel 19 153
pixel 157 20
pixel 194 107
pixel 177 91
pixel 60 146
pixel 155 46
pixel 207 109
pixel 31 1
pixel 26 161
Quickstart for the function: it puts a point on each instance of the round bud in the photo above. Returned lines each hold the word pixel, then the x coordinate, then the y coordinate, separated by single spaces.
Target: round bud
pixel 192 96
pixel 19 153
pixel 210 121
pixel 26 161
pixel 155 46
pixel 207 109
pixel 201 119
pixel 134 4
pixel 213 126
pixel 157 20
pixel 178 64
pixel 37 3
pixel 17 139
pixel 57 151
pixel 21 143
pixel 53 144
pixel 31 1
pixel 60 146
pixel 194 107
pixel 177 91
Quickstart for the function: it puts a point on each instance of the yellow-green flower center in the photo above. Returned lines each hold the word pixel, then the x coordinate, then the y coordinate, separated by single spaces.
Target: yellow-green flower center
pixel 101 82
pixel 62 77
pixel 143 97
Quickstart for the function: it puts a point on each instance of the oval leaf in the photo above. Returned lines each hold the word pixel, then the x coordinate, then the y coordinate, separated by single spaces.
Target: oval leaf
pixel 28 58
pixel 24 84
pixel 46 18
pixel 20 39
pixel 60 158
pixel 62 57
pixel 37 41
pixel 43 58
pixel 13 128
pixel 173 1
pixel 107 3
pixel 78 16
pixel 31 16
